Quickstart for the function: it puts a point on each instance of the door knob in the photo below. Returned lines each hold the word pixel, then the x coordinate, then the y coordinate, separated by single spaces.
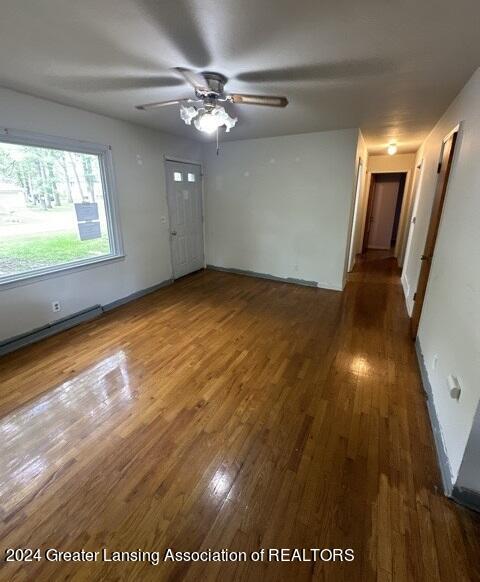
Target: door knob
pixel 173 233
pixel 424 258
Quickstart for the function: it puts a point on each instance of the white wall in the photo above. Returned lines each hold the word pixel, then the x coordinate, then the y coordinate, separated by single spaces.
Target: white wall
pixel 141 198
pixel 391 164
pixel 282 206
pixel 450 322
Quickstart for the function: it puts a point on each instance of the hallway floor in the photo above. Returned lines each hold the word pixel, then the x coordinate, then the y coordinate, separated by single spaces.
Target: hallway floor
pixel 231 412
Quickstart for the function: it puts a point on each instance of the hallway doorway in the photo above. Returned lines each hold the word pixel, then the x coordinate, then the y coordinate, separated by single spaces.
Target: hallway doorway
pixel 384 208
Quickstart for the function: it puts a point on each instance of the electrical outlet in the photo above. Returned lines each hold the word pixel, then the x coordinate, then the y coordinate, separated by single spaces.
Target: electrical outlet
pixel 56 307
pixel 454 387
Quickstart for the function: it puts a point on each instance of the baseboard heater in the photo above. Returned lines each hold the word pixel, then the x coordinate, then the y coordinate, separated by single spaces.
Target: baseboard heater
pixel 31 337
pixel 45 331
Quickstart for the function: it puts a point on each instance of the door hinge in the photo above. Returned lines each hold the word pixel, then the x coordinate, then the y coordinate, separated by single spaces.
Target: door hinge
pixel 439 167
pixel 414 296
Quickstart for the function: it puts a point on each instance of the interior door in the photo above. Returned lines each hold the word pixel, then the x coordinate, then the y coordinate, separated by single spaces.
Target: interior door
pixel 184 195
pixel 438 201
pixel 353 250
pixel 383 212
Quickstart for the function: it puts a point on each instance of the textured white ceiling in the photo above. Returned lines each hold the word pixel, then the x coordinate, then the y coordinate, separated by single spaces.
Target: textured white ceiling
pixel 390 68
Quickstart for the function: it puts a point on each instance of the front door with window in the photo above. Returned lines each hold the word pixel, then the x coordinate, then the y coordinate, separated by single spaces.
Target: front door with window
pixel 184 193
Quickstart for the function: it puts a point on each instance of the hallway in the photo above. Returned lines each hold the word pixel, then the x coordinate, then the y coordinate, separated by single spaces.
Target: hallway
pixel 217 412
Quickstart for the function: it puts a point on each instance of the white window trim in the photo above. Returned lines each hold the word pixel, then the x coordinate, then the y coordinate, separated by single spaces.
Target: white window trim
pixel 104 153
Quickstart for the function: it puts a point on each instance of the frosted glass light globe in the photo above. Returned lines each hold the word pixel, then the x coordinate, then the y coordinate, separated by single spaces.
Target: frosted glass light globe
pixel 208 122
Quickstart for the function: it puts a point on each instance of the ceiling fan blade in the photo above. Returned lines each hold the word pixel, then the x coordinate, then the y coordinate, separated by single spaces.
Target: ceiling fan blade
pixel 103 83
pixel 196 80
pixel 267 100
pixel 162 104
pixel 325 71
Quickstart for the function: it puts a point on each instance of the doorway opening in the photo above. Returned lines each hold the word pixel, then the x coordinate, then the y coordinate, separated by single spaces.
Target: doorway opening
pixel 384 209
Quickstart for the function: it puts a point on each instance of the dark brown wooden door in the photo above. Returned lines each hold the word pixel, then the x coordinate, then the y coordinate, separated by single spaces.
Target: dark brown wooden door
pixel 441 189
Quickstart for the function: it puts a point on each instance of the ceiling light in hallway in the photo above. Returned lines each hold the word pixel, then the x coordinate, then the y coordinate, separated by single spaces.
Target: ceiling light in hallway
pixel 392 149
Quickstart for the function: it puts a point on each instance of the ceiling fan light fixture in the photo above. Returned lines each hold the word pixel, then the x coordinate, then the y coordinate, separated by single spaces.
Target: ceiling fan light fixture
pixel 207 114
pixel 188 113
pixel 228 120
pixel 209 120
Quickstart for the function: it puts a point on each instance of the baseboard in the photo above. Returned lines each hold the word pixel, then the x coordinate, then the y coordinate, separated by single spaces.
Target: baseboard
pixel 405 285
pixel 442 457
pixel 466 497
pixel 275 278
pixel 31 337
pixel 406 293
pixel 136 295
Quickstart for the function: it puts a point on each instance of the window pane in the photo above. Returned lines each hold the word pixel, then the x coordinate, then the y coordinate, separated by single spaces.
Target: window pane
pixel 177 176
pixel 52 208
pixel 191 177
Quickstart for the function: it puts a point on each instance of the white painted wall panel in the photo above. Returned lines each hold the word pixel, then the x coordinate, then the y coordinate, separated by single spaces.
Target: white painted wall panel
pixel 282 206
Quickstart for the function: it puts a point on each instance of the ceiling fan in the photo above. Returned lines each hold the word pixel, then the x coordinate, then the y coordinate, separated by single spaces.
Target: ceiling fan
pixel 206 109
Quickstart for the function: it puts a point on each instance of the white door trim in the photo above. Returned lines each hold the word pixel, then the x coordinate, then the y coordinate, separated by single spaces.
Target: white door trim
pixel 182 161
pixel 356 208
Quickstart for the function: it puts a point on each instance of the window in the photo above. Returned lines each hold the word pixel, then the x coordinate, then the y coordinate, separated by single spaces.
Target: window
pixel 191 177
pixel 55 206
pixel 177 176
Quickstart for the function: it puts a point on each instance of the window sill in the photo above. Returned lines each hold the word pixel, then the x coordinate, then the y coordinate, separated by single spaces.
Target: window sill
pixel 31 278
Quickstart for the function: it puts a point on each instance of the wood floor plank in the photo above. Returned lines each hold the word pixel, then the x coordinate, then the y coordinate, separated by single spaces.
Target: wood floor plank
pixel 231 412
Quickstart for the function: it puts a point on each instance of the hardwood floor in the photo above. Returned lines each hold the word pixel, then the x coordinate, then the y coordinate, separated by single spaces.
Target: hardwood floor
pixel 231 412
